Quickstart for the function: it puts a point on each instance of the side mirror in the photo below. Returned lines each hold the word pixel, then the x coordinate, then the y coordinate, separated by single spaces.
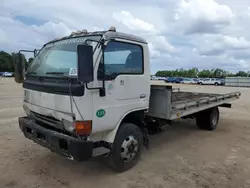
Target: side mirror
pixel 19 65
pixel 85 63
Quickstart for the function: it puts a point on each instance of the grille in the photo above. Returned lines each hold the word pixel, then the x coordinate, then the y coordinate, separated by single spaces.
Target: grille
pixel 47 120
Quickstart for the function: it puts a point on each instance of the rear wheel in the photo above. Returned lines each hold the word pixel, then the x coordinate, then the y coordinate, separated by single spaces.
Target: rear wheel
pixel 126 149
pixel 216 84
pixel 208 119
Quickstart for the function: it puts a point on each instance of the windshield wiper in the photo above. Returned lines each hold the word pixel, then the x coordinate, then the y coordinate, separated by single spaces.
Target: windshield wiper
pixel 112 75
pixel 31 73
pixel 55 73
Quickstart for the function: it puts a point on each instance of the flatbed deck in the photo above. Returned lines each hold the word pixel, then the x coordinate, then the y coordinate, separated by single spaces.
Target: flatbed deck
pixel 168 103
pixel 183 97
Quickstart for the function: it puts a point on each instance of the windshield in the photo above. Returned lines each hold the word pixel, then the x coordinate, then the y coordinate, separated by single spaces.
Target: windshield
pixel 59 58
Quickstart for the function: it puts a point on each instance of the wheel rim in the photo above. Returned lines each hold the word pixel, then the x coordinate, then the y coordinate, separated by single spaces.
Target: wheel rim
pixel 214 117
pixel 129 149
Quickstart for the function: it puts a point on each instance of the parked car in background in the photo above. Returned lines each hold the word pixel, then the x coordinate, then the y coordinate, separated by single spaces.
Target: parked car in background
pixel 7 74
pixel 162 78
pixel 210 81
pixel 188 81
pixel 170 80
pixel 196 80
pixel 1 73
pixel 157 78
pixel 174 80
pixel 178 80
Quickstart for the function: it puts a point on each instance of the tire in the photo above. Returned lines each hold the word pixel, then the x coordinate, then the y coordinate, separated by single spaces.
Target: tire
pixel 128 137
pixel 208 119
pixel 216 84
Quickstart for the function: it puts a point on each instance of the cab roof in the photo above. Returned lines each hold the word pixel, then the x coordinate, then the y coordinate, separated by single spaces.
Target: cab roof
pixel 107 35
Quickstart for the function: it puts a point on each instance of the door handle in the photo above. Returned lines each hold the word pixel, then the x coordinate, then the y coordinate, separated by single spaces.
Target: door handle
pixel 142 96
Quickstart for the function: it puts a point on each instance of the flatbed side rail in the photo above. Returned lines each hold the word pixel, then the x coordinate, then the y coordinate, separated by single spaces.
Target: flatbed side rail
pixel 191 107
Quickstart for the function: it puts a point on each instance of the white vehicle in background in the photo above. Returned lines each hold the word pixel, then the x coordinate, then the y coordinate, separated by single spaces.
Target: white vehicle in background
pixel 210 81
pixel 188 81
pixel 7 74
pixel 157 78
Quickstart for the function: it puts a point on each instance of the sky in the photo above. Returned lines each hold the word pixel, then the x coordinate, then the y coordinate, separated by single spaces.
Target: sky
pixel 204 34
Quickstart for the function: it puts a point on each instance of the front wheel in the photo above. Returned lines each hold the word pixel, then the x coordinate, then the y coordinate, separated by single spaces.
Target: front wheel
pixel 126 149
pixel 208 119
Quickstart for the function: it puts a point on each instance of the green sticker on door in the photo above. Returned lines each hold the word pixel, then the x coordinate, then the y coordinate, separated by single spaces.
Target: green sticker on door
pixel 100 113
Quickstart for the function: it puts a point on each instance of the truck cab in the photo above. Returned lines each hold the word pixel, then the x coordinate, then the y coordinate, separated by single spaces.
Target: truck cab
pixel 79 90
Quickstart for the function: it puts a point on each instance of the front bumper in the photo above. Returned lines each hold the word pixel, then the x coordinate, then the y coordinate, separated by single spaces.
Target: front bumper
pixel 57 142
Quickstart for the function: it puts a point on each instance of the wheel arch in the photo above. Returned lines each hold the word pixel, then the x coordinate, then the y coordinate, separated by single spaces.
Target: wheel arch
pixel 134 116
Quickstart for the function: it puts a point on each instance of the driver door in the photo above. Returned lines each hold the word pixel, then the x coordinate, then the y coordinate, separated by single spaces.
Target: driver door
pixel 126 85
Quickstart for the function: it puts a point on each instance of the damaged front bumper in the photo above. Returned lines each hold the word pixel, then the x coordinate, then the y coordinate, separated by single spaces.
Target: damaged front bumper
pixel 57 142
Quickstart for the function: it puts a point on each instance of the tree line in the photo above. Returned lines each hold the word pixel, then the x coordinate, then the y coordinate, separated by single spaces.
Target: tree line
pixel 194 73
pixel 7 61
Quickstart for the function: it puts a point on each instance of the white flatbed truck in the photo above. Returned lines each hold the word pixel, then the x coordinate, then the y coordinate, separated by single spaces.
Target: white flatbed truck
pixel 89 94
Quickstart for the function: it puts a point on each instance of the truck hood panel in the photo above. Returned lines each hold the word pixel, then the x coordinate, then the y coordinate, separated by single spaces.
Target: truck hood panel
pixel 60 103
pixel 58 106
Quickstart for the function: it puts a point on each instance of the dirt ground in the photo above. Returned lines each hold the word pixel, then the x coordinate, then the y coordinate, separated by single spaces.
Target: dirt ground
pixel 180 156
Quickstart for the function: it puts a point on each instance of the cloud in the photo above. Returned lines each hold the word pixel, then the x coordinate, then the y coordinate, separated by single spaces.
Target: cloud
pixel 219 44
pixel 133 23
pixel 52 30
pixel 158 44
pixel 3 37
pixel 17 35
pixel 203 16
pixel 235 43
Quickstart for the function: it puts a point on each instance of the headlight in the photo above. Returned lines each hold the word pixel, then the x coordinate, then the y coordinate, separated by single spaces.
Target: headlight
pixel 68 126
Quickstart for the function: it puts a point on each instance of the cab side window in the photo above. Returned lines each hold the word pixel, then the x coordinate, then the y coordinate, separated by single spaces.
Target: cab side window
pixel 121 58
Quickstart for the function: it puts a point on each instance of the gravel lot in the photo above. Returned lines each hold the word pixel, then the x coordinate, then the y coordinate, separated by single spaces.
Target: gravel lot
pixel 181 156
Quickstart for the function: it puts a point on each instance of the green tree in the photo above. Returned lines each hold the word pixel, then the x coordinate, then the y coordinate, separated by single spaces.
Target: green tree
pixel 242 74
pixel 205 74
pixel 7 61
pixel 217 73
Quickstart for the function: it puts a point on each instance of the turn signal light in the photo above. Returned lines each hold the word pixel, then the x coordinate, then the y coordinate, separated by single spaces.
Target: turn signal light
pixel 83 128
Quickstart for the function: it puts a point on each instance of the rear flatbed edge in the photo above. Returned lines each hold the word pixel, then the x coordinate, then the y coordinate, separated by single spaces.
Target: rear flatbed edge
pixel 192 107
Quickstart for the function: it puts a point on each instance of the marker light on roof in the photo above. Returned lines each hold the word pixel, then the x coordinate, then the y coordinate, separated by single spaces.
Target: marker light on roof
pixel 84 31
pixel 78 32
pixel 73 33
pixel 112 28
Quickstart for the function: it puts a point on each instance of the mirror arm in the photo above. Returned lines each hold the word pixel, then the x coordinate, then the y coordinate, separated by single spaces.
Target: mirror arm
pixel 35 52
pixel 101 89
